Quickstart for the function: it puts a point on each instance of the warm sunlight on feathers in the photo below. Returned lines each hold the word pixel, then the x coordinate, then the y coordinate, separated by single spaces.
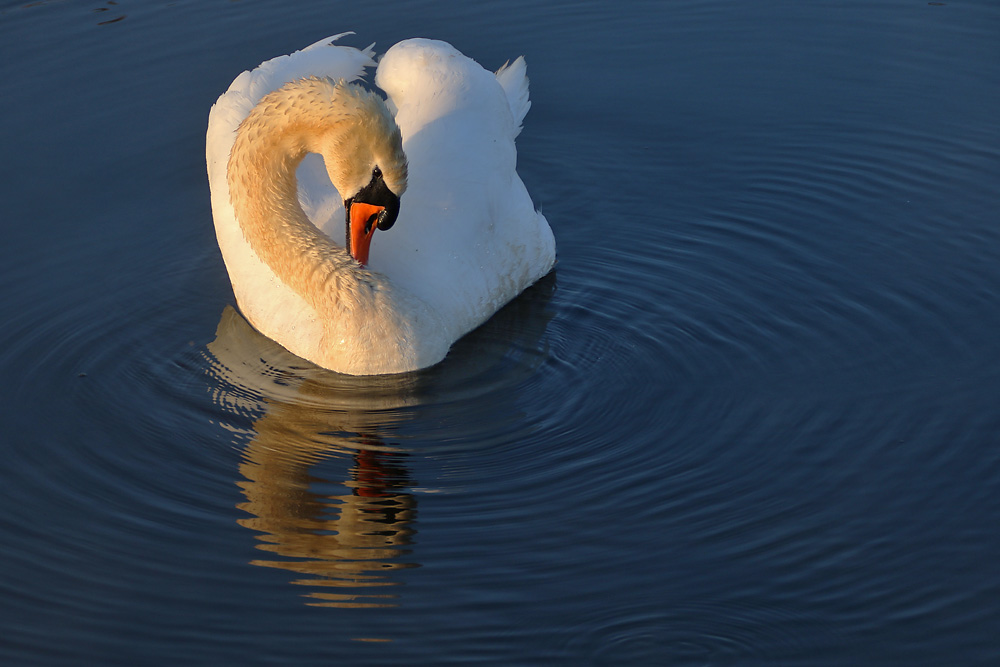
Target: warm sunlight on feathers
pixel 467 239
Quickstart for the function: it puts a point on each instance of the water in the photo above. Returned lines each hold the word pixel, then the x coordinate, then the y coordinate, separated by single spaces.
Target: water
pixel 750 419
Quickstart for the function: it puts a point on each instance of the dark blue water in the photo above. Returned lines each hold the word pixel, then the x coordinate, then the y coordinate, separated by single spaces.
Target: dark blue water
pixel 751 418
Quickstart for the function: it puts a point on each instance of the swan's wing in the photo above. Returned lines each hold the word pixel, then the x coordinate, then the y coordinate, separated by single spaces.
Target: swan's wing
pixel 513 78
pixel 468 238
pixel 320 59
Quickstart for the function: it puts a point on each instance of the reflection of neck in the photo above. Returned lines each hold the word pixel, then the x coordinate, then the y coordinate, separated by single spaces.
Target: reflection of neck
pixel 351 538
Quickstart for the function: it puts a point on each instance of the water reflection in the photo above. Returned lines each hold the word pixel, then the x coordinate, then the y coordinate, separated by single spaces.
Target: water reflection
pixel 327 491
pixel 346 543
pixel 346 535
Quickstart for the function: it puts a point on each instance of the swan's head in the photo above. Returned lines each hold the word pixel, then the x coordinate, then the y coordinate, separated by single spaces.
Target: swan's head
pixel 365 161
pixel 375 205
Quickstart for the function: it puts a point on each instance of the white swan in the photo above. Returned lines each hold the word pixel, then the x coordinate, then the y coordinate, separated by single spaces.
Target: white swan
pixel 467 238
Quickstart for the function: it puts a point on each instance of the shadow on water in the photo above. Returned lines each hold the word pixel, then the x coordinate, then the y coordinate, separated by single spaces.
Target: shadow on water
pixel 348 533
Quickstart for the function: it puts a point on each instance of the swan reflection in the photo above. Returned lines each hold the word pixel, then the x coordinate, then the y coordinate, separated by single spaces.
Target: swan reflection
pixel 327 493
pixel 345 536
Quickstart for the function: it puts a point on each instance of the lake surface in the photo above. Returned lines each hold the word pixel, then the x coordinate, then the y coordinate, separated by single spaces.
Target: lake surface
pixel 751 418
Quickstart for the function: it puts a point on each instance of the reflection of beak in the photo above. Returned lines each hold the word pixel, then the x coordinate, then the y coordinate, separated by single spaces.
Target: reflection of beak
pixel 363 218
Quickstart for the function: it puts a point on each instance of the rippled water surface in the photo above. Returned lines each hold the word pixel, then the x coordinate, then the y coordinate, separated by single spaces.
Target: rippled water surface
pixel 751 417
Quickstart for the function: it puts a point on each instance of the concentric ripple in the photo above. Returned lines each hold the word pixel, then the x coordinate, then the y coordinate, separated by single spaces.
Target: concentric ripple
pixel 750 418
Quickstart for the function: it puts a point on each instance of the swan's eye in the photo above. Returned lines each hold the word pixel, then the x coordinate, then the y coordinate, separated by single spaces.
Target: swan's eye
pixel 376 172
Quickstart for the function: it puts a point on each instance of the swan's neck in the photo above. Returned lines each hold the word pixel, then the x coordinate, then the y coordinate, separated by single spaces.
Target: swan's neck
pixel 300 118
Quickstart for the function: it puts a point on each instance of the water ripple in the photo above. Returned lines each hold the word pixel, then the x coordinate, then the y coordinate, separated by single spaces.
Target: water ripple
pixel 751 419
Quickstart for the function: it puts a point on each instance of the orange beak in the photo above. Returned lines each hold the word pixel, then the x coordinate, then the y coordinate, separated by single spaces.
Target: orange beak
pixel 363 219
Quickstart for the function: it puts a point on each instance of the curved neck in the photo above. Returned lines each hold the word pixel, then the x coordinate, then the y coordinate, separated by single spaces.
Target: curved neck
pixel 270 144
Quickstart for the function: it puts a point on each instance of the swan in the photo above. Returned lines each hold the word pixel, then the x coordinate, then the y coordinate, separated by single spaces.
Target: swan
pixel 300 153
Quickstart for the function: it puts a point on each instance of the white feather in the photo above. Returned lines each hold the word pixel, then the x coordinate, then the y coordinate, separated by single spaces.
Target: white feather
pixel 467 239
pixel 513 77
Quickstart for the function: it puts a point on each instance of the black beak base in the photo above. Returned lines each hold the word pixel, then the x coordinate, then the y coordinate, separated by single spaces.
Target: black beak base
pixel 377 193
